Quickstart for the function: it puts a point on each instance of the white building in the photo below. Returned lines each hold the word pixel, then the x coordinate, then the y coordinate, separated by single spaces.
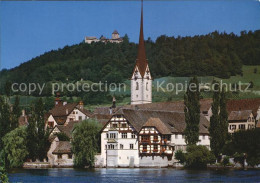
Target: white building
pixel 115 38
pixel 146 138
pixel 241 120
pixel 64 112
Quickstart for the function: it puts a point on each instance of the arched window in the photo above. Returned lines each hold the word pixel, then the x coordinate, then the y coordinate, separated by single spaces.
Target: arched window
pixel 146 86
pixel 137 86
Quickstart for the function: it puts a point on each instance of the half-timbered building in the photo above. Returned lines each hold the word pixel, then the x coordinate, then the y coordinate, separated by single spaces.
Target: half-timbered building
pixel 146 138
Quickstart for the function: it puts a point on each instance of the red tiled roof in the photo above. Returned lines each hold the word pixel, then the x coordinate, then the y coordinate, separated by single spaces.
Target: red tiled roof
pixel 63 110
pixel 244 104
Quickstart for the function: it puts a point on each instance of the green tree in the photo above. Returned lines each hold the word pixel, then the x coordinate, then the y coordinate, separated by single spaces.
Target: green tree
pixel 180 155
pixel 85 138
pixel 192 112
pixel 32 136
pixel 3 173
pixel 248 141
pixel 15 147
pixel 62 136
pixel 198 157
pixel 214 129
pixel 219 120
pixel 42 134
pixel 223 119
pixel 5 119
pixel 15 113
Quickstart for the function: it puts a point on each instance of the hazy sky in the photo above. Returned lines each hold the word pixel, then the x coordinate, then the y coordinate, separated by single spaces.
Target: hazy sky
pixel 28 29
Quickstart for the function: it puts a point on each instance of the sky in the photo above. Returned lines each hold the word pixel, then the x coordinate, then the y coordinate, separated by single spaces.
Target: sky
pixel 31 28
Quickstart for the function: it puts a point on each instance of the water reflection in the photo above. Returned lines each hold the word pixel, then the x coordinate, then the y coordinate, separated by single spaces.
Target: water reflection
pixel 132 175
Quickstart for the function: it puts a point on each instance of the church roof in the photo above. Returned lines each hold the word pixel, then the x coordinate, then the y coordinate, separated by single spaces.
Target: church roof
pixel 141 61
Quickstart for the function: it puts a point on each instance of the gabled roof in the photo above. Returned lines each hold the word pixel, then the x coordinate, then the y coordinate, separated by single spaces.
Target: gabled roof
pixel 68 129
pixel 239 115
pixel 63 147
pixel 63 110
pixel 177 106
pixel 244 104
pixel 175 121
pixel 158 124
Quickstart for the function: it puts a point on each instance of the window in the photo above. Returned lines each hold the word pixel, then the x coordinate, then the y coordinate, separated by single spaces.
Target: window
pixel 70 156
pixel 144 148
pixel 124 135
pixel 121 146
pixel 155 138
pixel 203 137
pixel 155 148
pixel 131 146
pixel 112 135
pixel 71 119
pixel 146 86
pixel 249 119
pixel 114 125
pixel 80 118
pixel 183 136
pixel 59 156
pixel 145 138
pixel 133 135
pixel 137 86
pixel 242 127
pixel 233 127
pixel 51 124
pixel 107 136
pixel 111 146
pixel 176 136
pixel 124 125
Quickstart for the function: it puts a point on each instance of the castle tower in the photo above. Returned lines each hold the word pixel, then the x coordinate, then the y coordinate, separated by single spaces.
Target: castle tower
pixel 115 35
pixel 141 80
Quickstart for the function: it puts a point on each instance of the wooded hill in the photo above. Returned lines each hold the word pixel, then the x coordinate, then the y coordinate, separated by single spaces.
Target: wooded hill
pixel 215 54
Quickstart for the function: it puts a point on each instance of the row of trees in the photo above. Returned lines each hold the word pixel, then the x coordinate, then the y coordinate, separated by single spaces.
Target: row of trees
pixel 200 156
pixel 214 54
pixel 26 142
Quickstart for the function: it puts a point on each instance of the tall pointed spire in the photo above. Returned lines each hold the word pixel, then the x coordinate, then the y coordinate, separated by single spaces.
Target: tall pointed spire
pixel 141 61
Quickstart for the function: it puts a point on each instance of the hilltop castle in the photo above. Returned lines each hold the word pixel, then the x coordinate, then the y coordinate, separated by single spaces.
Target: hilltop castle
pixel 115 38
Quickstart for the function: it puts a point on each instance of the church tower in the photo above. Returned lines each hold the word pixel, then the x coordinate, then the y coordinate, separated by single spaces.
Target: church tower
pixel 141 80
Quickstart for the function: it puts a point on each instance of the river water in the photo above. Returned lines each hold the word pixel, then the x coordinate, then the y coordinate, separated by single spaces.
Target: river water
pixel 126 175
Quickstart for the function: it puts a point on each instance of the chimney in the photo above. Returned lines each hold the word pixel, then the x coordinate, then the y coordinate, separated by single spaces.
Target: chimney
pixel 65 103
pixel 110 110
pixel 23 112
pixel 58 101
pixel 114 102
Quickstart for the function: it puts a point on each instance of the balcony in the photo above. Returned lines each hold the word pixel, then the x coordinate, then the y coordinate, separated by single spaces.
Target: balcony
pixel 144 151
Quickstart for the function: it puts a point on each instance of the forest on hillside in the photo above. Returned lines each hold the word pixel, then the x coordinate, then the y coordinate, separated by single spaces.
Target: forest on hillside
pixel 215 54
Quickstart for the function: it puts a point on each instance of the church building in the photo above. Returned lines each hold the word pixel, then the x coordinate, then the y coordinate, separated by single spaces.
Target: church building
pixel 141 80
